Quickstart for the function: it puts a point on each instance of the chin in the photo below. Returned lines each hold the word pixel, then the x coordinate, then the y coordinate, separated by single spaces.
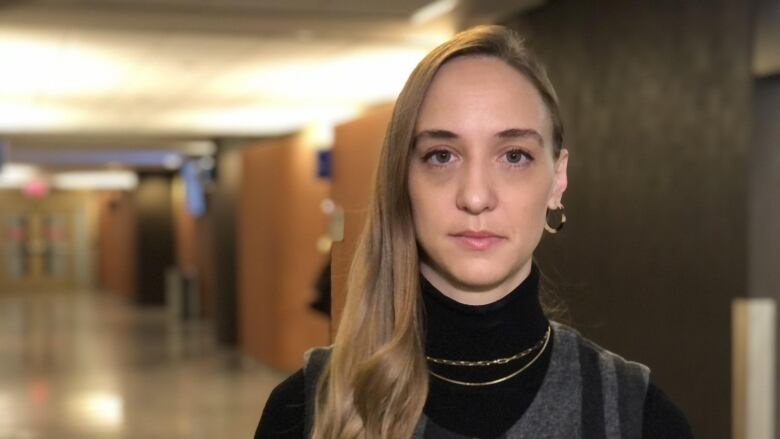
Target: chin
pixel 478 275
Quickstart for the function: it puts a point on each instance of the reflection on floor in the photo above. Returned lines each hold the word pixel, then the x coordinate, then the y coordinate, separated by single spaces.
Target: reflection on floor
pixel 83 366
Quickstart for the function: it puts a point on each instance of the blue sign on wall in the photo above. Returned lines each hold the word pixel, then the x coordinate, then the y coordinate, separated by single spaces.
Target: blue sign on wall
pixel 193 188
pixel 323 164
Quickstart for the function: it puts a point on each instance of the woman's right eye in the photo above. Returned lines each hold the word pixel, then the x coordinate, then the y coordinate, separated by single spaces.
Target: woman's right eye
pixel 438 157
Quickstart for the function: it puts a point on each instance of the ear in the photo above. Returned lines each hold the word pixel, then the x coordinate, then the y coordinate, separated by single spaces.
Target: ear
pixel 560 180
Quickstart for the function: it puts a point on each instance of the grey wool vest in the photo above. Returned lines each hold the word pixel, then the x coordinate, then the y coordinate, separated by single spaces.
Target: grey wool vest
pixel 587 392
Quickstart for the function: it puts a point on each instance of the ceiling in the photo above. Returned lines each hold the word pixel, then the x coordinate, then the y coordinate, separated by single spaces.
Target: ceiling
pixel 205 68
pixel 199 68
pixel 78 77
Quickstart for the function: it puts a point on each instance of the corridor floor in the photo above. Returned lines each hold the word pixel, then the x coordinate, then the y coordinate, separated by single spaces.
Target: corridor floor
pixel 84 366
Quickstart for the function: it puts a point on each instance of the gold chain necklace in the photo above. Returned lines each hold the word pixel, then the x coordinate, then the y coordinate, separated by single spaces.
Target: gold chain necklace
pixel 491 362
pixel 502 379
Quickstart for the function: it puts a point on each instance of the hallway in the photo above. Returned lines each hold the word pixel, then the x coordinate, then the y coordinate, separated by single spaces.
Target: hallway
pixel 85 365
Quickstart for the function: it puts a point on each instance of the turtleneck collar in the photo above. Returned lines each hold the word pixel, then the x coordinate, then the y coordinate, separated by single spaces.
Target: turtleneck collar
pixel 482 332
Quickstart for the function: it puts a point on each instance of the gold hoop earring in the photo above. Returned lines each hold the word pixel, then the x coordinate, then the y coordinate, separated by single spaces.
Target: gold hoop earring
pixel 561 222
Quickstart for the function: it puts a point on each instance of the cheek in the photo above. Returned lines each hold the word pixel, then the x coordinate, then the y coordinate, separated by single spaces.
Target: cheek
pixel 431 208
pixel 422 200
pixel 524 208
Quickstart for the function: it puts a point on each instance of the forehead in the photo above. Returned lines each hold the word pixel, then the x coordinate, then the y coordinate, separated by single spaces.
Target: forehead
pixel 482 95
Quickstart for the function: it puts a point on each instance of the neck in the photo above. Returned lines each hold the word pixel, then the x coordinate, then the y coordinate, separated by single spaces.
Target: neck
pixel 469 294
pixel 455 330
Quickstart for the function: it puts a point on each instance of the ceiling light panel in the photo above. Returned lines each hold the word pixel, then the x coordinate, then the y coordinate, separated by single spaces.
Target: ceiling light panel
pixel 16 175
pixel 433 10
pixel 54 65
pixel 172 65
pixel 362 74
pixel 23 115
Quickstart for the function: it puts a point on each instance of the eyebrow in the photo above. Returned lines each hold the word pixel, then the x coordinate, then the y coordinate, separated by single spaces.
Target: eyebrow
pixel 511 133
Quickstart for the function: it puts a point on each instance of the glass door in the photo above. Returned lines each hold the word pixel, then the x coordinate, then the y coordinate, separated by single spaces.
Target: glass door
pixel 37 247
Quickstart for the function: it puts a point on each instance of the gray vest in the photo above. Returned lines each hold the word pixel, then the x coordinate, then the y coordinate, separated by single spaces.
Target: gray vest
pixel 587 392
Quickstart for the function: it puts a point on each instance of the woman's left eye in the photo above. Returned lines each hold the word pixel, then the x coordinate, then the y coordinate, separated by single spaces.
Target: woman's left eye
pixel 517 156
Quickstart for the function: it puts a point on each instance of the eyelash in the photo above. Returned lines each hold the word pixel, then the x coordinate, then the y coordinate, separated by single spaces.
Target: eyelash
pixel 427 158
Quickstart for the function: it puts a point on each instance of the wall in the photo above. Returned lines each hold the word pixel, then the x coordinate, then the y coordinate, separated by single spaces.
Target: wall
pixel 764 166
pixel 656 102
pixel 279 223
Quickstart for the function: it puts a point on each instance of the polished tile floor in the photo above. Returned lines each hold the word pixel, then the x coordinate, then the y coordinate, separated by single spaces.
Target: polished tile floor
pixel 85 365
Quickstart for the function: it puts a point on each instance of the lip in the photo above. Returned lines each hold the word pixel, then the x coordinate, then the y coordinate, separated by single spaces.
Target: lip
pixel 477 240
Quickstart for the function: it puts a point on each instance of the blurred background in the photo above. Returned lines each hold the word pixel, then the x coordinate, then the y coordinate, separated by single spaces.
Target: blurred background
pixel 182 183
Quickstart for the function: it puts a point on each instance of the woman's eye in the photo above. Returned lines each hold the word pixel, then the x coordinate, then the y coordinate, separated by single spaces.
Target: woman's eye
pixel 517 156
pixel 439 157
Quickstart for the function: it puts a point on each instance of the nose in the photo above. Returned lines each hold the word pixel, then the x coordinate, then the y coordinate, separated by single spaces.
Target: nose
pixel 476 191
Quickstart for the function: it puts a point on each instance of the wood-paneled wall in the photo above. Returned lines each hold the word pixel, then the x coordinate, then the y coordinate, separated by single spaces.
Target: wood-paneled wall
pixel 279 223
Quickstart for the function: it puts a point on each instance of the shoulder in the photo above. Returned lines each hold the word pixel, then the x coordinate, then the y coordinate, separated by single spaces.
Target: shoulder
pixel 604 360
pixel 283 415
pixel 315 359
pixel 630 383
pixel 612 388
pixel 662 418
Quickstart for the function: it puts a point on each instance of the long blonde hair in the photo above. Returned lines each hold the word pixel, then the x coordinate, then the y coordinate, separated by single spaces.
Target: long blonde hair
pixel 376 382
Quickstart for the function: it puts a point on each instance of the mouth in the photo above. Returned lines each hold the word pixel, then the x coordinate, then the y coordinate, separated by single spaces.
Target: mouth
pixel 477 240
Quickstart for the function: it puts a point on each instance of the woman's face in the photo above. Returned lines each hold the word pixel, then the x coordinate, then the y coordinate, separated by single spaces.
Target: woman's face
pixel 481 177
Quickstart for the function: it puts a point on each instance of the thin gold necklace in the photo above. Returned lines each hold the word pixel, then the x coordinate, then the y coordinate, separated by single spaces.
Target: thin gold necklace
pixel 502 379
pixel 490 362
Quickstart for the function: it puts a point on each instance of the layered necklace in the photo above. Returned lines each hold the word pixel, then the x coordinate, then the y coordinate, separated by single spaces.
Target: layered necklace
pixel 539 347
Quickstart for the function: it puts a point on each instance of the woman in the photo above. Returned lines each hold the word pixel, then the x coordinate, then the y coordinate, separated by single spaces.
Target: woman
pixel 442 333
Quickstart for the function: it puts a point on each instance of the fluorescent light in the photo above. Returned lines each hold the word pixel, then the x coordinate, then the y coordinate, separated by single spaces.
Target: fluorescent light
pixel 369 74
pixel 34 64
pixel 7 412
pixel 99 409
pixel 433 10
pixel 13 176
pixel 106 180
pixel 319 135
pixel 20 115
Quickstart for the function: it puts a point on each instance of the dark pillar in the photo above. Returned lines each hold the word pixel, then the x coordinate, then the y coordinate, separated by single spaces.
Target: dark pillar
pixel 155 236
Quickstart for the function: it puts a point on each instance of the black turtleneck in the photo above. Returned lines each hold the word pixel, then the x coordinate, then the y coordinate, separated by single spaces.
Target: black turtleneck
pixel 500 329
pixel 464 332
